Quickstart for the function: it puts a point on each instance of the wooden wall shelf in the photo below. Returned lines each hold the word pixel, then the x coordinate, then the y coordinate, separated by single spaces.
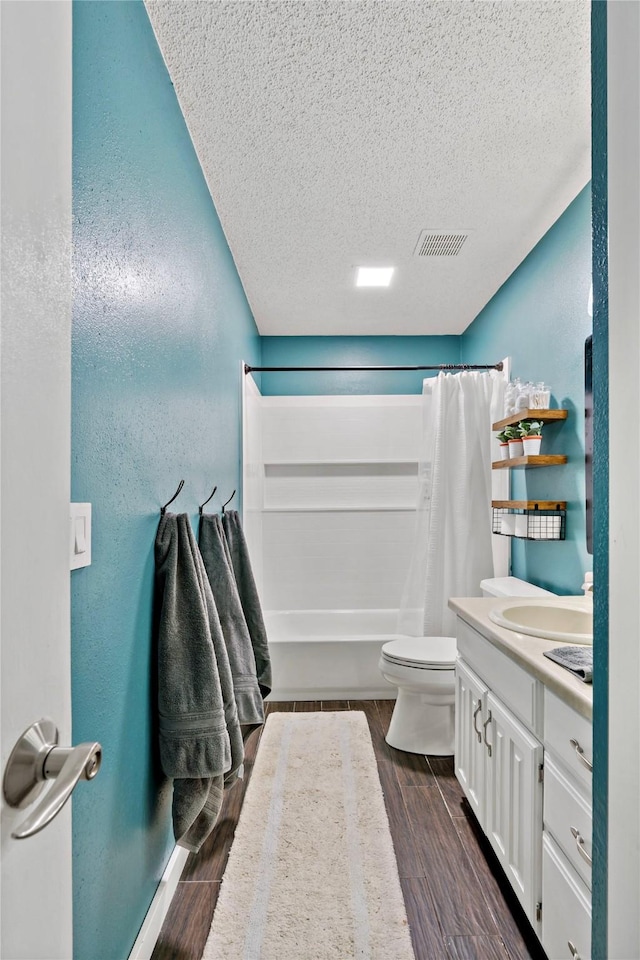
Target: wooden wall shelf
pixel 551 460
pixel 529 504
pixel 546 416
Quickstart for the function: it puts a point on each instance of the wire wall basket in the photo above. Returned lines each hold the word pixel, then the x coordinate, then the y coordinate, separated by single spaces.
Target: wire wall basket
pixel 529 522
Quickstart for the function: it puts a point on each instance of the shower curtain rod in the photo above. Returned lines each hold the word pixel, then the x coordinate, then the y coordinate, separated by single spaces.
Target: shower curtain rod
pixel 441 366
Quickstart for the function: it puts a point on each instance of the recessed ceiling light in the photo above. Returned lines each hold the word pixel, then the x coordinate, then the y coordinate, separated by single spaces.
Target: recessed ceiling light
pixel 374 276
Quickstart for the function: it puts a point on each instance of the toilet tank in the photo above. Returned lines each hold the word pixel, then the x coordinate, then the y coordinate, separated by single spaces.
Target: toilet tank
pixel 511 587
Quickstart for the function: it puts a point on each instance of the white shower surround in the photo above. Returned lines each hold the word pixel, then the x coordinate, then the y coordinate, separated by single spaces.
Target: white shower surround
pixel 330 491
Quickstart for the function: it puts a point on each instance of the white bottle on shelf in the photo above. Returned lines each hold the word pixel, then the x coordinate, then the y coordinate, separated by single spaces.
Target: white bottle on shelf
pixel 524 397
pixel 510 395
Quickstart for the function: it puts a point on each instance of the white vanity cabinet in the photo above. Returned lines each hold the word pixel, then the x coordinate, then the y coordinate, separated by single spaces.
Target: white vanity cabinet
pixel 470 751
pixel 523 758
pixel 566 864
pixel 514 802
pixel 498 763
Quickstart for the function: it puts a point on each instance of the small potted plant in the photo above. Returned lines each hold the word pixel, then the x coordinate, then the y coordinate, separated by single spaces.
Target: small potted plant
pixel 515 441
pixel 503 439
pixel 530 431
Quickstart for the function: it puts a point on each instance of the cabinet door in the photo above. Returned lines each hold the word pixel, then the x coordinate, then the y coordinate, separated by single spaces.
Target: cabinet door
pixel 470 754
pixel 566 907
pixel 514 803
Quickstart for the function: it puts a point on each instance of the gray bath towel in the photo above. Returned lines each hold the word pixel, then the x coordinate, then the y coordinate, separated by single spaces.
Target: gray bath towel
pixel 577 659
pixel 236 742
pixel 248 597
pixel 200 738
pixel 218 564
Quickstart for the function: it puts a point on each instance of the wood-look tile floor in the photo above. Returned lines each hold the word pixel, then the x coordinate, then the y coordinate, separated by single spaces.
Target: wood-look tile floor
pixel 459 904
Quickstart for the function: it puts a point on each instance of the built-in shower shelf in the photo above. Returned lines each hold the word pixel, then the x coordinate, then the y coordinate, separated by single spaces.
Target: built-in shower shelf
pixel 339 463
pixel 545 416
pixel 373 508
pixel 340 486
pixel 550 460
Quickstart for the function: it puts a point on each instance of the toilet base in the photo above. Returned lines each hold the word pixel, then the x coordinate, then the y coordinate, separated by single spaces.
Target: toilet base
pixel 418 725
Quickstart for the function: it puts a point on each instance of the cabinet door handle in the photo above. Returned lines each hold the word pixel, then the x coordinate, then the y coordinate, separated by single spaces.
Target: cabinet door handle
pixel 475 714
pixel 485 725
pixel 574 950
pixel 579 839
pixel 580 754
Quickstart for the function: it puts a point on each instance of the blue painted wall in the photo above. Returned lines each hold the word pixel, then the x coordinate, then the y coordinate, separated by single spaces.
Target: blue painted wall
pixel 539 318
pixel 346 351
pixel 160 326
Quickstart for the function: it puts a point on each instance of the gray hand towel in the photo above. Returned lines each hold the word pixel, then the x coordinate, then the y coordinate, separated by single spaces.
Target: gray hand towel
pixel 248 597
pixel 218 564
pixel 577 659
pixel 200 738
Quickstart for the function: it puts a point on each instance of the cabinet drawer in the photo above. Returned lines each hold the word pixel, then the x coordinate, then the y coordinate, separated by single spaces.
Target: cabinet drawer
pixel 515 687
pixel 566 907
pixel 569 736
pixel 567 815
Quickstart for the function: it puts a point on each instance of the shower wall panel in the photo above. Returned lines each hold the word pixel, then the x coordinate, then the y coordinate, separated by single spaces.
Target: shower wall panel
pixel 339 487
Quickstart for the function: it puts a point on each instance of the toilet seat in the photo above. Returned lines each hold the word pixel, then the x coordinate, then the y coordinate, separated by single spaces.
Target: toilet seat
pixel 422 653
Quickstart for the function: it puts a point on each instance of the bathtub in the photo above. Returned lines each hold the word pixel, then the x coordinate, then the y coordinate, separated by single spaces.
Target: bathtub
pixel 329 654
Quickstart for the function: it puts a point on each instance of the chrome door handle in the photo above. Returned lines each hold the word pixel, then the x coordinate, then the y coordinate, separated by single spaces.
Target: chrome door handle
pixel 475 714
pixel 579 839
pixel 485 725
pixel 573 950
pixel 37 758
pixel 580 754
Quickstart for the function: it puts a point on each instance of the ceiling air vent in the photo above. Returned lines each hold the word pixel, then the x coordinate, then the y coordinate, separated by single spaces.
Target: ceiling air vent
pixel 431 243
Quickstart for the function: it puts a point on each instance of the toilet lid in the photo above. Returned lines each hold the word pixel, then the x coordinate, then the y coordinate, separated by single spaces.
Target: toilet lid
pixel 439 653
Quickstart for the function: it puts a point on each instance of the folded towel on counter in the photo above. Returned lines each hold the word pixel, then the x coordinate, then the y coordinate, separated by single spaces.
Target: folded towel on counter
pixel 218 564
pixel 200 738
pixel 577 659
pixel 248 597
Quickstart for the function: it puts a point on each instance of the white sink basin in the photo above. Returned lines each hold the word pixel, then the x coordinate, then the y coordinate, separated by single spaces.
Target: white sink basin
pixel 569 619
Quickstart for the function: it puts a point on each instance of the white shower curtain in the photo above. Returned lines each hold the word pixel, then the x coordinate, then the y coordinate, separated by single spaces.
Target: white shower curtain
pixel 452 549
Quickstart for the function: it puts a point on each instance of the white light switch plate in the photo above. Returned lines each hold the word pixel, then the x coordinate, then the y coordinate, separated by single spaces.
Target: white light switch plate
pixel 79 535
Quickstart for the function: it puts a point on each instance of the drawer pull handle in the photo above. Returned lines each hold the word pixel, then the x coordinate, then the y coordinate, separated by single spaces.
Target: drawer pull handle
pixel 580 754
pixel 485 725
pixel 574 950
pixel 475 714
pixel 579 839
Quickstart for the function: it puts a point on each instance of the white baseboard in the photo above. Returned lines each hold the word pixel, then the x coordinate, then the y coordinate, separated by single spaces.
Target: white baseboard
pixel 331 693
pixel 150 929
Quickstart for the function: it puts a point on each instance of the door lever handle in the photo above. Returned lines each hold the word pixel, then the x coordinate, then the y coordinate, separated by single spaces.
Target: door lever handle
pixel 37 758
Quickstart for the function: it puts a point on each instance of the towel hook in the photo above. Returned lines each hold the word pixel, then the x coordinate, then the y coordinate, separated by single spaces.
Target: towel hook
pixel 228 501
pixel 207 500
pixel 163 509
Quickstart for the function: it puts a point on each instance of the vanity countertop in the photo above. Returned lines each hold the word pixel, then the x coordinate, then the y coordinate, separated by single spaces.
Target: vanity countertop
pixel 527 652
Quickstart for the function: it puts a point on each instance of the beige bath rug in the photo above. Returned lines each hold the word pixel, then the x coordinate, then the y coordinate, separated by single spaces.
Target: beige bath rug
pixel 312 873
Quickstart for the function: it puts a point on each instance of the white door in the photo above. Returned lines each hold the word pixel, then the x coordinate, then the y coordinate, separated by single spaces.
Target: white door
pixel 35 886
pixel 514 803
pixel 470 749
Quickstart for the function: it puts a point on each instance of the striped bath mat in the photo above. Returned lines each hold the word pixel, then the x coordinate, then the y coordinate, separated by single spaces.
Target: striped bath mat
pixel 312 874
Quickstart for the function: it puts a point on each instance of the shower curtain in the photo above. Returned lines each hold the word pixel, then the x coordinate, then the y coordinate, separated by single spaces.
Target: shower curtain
pixel 452 549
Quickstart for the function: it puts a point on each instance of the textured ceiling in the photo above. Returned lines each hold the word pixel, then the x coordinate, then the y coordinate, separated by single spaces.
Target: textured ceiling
pixel 332 134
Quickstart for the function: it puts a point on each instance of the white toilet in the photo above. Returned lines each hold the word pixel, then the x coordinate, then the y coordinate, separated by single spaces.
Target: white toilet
pixel 423 670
